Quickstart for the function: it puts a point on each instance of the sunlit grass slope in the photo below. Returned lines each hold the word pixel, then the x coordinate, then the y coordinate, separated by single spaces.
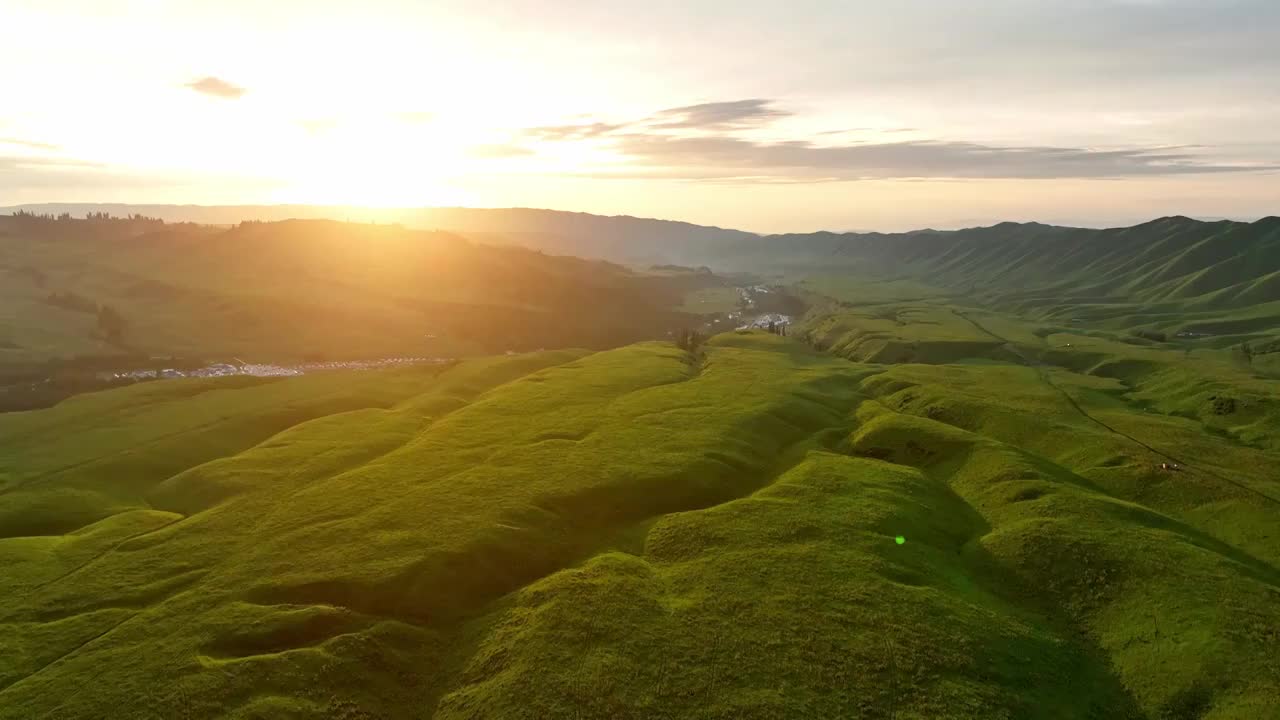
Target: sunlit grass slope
pixel 1217 281
pixel 1209 386
pixel 302 289
pixel 754 530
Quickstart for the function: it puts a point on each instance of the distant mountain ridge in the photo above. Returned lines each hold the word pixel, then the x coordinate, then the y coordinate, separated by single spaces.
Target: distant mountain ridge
pixel 1173 259
pixel 620 238
pixel 1201 265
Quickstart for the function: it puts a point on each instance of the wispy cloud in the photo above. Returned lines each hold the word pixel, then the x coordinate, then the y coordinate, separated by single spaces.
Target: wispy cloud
pixel 216 87
pixel 11 163
pixel 728 156
pixel 19 142
pixel 720 115
pixel 579 131
pixel 709 142
pixel 48 172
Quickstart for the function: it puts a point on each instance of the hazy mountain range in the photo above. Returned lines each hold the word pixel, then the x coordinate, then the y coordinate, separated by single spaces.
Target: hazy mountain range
pixel 619 238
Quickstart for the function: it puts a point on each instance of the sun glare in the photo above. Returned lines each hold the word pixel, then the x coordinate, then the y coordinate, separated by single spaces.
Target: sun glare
pixel 382 162
pixel 370 187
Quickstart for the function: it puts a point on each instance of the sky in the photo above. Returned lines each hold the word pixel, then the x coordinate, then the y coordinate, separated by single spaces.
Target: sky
pixel 765 116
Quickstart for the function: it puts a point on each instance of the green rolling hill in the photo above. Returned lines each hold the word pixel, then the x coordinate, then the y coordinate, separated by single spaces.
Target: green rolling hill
pixel 1211 283
pixel 283 290
pixel 943 494
pixel 1168 261
pixel 754 529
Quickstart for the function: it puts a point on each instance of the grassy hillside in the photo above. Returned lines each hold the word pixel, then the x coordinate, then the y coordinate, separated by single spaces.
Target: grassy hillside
pixel 756 529
pixel 296 289
pixel 1216 282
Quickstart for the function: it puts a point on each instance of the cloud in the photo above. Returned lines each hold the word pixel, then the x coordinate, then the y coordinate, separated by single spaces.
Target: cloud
pixel 47 172
pixel 706 142
pixel 729 115
pixel 28 144
pixel 720 157
pixel 12 163
pixel 216 87
pixel 581 131
pixel 866 130
pixel 52 176
pixel 720 115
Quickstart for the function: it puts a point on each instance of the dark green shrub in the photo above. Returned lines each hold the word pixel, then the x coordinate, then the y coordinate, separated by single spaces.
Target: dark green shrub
pixel 1223 405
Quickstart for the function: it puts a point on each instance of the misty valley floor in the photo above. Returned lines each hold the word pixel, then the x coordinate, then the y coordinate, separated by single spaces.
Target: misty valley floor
pixel 650 533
